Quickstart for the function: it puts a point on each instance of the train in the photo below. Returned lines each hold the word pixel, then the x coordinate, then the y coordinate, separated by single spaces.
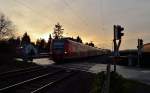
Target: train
pixel 66 49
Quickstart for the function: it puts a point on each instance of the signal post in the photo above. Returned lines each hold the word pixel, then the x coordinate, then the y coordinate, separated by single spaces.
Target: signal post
pixel 117 41
pixel 139 46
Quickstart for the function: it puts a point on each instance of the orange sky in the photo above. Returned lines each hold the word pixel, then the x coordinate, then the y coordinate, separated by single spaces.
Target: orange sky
pixel 92 20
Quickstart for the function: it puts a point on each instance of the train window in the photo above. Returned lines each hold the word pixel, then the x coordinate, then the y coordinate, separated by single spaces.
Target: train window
pixel 58 45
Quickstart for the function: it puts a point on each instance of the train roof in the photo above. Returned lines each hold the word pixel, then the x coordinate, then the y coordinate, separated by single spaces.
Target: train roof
pixel 69 40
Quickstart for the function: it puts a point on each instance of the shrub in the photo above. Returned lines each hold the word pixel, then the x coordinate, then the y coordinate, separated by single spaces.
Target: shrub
pixel 7 52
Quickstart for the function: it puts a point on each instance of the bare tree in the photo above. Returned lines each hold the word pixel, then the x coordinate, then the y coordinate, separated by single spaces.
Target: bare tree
pixel 49 42
pixel 6 27
pixel 58 31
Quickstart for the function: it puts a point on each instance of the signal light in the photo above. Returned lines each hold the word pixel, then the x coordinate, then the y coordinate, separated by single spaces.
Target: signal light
pixel 65 52
pixel 118 32
pixel 140 43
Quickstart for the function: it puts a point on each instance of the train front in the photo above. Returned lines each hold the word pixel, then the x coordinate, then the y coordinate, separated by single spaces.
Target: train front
pixel 58 50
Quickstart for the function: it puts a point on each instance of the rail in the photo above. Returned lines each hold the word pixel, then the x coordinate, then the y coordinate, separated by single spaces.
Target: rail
pixel 27 81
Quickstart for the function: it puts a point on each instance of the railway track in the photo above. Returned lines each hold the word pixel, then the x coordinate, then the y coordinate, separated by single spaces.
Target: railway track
pixel 19 71
pixel 33 80
pixel 76 66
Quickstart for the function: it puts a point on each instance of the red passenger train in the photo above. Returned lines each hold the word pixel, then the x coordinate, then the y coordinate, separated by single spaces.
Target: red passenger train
pixel 65 49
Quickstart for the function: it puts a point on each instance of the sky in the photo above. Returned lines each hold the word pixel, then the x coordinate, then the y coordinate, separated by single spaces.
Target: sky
pixel 92 20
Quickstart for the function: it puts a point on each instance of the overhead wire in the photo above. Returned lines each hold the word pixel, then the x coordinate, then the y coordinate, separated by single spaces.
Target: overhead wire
pixel 46 17
pixel 103 24
pixel 82 20
pixel 75 13
pixel 101 15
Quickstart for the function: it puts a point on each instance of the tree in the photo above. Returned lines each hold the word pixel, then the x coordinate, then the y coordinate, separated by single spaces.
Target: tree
pixel 86 43
pixel 91 44
pixel 58 31
pixel 25 39
pixel 18 41
pixel 41 44
pixel 79 39
pixel 6 27
pixel 49 43
pixel 38 42
pixel 14 42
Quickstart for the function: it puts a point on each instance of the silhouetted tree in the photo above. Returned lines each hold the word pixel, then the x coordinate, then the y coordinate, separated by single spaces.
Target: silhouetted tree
pixel 25 39
pixel 8 50
pixel 49 42
pixel 38 42
pixel 33 43
pixel 41 44
pixel 14 42
pixel 79 39
pixel 58 31
pixel 18 41
pixel 91 44
pixel 6 27
pixel 86 43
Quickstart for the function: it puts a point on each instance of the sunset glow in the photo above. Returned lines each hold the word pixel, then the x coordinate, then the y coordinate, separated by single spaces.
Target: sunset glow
pixel 91 23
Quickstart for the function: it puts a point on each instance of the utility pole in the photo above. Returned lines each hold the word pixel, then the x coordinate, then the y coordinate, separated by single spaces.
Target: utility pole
pixel 108 78
pixel 117 37
pixel 106 86
pixel 140 46
pixel 117 41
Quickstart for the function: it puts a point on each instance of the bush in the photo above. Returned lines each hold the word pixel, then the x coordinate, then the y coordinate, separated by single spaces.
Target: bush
pixel 7 52
pixel 98 83
pixel 118 84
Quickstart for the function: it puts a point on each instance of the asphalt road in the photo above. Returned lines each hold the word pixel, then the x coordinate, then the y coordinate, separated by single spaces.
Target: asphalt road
pixel 135 73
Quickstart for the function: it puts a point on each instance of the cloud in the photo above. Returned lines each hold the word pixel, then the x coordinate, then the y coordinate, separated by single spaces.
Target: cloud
pixel 93 20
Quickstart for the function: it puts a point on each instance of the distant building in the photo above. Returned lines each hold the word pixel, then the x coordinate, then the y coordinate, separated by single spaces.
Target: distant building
pixel 132 55
pixel 146 47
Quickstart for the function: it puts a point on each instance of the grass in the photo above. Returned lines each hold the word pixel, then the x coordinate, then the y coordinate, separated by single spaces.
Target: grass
pixel 118 84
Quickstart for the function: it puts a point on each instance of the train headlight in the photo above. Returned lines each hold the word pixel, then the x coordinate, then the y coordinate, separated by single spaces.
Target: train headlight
pixel 65 52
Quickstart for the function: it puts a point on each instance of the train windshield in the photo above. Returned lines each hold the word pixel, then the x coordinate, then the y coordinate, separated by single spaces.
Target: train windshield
pixel 58 45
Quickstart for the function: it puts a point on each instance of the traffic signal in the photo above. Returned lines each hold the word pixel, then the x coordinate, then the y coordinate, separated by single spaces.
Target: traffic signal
pixel 140 43
pixel 118 32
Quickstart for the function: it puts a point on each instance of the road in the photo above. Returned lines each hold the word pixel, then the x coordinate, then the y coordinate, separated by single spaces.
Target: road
pixel 142 75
